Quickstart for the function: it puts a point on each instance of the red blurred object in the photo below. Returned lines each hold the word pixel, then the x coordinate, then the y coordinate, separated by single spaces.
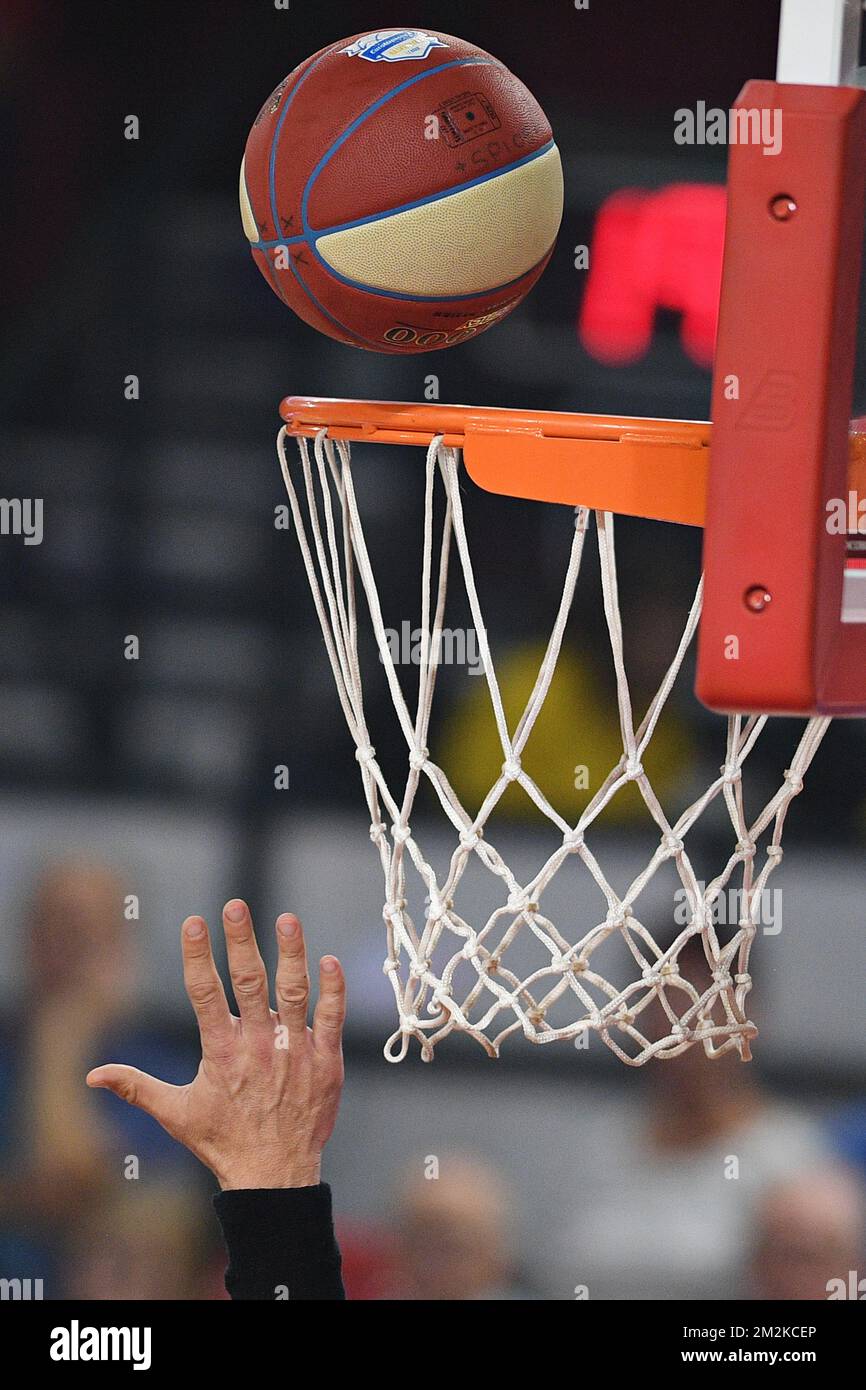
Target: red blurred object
pixel 654 251
pixel 369 1262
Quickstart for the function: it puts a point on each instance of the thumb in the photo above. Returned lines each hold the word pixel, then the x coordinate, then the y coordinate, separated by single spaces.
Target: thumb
pixel 137 1088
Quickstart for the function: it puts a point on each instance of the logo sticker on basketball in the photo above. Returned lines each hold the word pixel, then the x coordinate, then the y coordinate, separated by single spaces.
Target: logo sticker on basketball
pixel 466 117
pixel 273 101
pixel 394 46
pixel 484 319
pixel 405 335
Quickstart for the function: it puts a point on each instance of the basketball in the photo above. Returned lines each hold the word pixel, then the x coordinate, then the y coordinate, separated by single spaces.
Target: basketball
pixel 401 191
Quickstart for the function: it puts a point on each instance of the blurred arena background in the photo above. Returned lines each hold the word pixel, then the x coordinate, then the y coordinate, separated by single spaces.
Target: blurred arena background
pixel 153 778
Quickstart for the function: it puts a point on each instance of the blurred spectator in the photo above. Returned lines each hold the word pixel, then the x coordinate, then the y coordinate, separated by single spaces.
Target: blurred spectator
pixel 847 1129
pixel 454 1235
pixel 145 1243
pixel 76 960
pixel 666 1211
pixel 61 1150
pixel 810 1237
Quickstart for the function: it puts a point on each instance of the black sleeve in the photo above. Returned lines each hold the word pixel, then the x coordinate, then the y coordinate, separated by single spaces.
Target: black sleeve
pixel 281 1243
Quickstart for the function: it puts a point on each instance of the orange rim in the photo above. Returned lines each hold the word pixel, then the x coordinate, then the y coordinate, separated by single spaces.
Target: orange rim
pixel 406 422
pixel 634 466
pixel 639 467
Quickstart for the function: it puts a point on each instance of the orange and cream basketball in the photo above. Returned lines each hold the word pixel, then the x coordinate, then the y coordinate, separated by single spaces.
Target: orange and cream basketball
pixel 401 190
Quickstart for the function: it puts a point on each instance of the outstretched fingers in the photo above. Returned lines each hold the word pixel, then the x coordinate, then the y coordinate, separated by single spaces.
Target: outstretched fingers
pixel 330 1012
pixel 156 1098
pixel 204 987
pixel 292 980
pixel 246 967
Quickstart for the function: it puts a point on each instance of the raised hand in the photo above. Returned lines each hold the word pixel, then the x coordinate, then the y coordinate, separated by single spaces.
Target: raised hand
pixel 264 1101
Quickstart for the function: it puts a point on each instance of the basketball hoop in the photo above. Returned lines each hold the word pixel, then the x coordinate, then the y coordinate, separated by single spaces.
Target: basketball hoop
pixel 780 583
pixel 658 1011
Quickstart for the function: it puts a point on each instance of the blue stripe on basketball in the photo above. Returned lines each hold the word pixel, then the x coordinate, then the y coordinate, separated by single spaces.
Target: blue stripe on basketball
pixel 272 162
pixel 262 245
pixel 438 197
pixel 431 298
pixel 422 202
pixel 273 279
pixel 377 106
pixel 409 207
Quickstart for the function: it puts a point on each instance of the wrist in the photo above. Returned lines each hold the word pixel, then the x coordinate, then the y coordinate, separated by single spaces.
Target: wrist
pixel 295 1173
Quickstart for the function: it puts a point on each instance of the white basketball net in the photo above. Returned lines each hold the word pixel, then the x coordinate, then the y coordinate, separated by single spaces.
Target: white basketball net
pixel 425 958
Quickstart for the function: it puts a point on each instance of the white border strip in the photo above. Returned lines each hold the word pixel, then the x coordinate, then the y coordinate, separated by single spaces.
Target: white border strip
pixel 819 42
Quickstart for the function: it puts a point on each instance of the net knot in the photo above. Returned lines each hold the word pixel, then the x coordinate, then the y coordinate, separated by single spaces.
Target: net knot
pixel 377 832
pixel 633 769
pixel 572 839
pixel 393 911
pixel 731 773
pixel 742 979
pixel 437 909
pixel 366 755
pixel 746 848
pixel 673 844
pixel 401 834
pixel 521 902
pixel 470 839
pixel 418 758
pixel 775 852
pixel 511 769
pixel 794 780
pixel 418 969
